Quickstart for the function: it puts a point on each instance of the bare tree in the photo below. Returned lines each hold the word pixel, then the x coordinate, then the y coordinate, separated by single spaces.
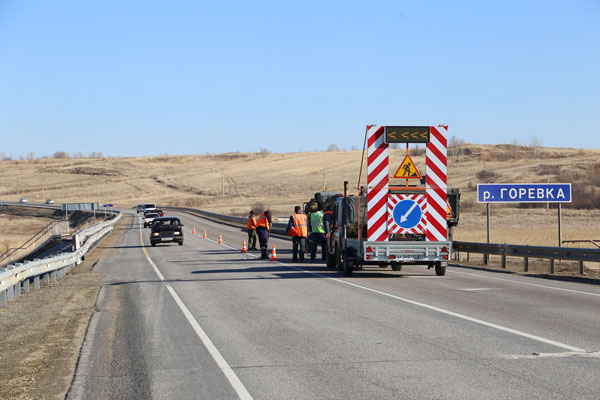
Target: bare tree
pixel 61 154
pixel 333 147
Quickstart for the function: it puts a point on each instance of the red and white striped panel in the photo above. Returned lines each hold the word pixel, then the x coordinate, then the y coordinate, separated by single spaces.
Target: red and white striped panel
pixel 377 183
pixel 436 188
pixel 394 199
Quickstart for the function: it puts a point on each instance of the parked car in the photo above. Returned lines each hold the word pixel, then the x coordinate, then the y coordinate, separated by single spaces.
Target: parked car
pixel 49 201
pixel 22 200
pixel 148 217
pixel 166 230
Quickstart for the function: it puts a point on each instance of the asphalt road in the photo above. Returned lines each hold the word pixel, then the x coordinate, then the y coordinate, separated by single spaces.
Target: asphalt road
pixel 206 321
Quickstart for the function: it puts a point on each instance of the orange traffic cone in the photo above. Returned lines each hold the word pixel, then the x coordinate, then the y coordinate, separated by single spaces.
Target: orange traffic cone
pixel 220 239
pixel 205 236
pixel 194 230
pixel 244 249
pixel 273 254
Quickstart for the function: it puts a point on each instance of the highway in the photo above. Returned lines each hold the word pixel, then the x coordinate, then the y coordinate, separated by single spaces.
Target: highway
pixel 205 321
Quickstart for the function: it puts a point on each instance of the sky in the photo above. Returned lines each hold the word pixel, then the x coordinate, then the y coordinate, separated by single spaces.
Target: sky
pixel 141 78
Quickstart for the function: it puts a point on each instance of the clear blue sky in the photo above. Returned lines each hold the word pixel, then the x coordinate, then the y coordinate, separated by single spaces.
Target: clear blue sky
pixel 189 77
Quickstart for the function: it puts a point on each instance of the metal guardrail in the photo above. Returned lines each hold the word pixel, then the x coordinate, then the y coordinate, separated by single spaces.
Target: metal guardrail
pixel 17 277
pixel 277 228
pixel 50 231
pixel 526 252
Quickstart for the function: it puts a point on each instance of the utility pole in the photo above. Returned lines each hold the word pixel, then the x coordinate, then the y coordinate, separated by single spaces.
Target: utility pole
pixel 223 181
pixel 323 180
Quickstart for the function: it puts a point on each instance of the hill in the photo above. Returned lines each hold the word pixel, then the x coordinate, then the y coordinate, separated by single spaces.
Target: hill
pixel 235 182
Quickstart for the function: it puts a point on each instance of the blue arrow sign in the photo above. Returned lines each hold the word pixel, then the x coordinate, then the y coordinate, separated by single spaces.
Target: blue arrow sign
pixel 107 205
pixel 407 214
pixel 524 193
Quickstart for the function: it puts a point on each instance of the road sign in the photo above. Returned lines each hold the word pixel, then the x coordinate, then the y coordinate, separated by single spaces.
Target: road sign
pixel 407 214
pixel 407 169
pixel 109 205
pixel 407 134
pixel 524 193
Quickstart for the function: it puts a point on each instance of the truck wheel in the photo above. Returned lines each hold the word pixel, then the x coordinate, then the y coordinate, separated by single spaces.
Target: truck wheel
pixel 348 265
pixel 330 260
pixel 383 265
pixel 153 244
pixel 181 243
pixel 396 267
pixel 440 270
pixel 339 265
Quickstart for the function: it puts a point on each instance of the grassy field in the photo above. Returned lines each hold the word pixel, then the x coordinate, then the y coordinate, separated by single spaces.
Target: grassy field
pixel 234 183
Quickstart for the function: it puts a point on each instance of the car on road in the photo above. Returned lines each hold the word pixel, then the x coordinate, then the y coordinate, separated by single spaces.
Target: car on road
pixel 148 217
pixel 49 201
pixel 149 207
pixel 140 208
pixel 166 230
pixel 156 210
pixel 22 200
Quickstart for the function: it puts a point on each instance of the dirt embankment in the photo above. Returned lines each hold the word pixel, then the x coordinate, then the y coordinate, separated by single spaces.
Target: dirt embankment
pixel 41 332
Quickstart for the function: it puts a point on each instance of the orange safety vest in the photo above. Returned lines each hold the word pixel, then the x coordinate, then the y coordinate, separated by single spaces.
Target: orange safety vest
pixel 300 227
pixel 251 223
pixel 264 222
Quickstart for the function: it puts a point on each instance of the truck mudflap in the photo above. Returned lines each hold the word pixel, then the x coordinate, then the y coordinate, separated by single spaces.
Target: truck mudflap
pixel 405 252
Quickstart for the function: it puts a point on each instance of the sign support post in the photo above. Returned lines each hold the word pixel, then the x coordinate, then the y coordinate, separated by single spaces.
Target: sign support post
pixel 559 225
pixel 487 208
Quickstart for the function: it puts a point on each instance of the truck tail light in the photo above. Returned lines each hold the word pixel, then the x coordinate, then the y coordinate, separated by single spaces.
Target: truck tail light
pixel 368 256
pixel 392 257
pixel 444 249
pixel 369 249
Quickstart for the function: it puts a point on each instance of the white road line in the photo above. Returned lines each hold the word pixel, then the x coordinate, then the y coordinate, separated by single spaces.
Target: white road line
pixel 525 283
pixel 584 354
pixel 477 289
pixel 233 379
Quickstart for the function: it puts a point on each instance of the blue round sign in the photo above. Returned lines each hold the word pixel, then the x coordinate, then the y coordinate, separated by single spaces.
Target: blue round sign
pixel 407 214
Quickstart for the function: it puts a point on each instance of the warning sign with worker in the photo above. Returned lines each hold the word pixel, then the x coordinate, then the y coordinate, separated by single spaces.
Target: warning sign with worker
pixel 407 169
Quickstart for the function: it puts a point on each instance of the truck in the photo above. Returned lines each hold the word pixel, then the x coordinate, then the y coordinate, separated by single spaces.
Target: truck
pixel 395 225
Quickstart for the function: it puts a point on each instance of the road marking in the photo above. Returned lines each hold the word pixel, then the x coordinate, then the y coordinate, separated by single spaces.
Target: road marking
pixel 233 379
pixel 583 354
pixel 525 283
pixel 477 289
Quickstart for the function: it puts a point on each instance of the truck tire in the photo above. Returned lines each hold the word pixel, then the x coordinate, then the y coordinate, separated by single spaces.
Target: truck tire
pixel 339 265
pixel 348 266
pixel 440 269
pixel 330 260
pixel 383 265
pixel 396 267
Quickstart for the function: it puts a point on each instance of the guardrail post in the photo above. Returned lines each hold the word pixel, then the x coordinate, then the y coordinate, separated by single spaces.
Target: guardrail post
pixel 485 258
pixel 10 293
pixel 503 261
pixel 36 283
pixel 551 268
pixel 53 276
pixel 46 278
pixel 26 286
pixel 3 298
pixel 17 287
pixel 580 267
pixel 525 264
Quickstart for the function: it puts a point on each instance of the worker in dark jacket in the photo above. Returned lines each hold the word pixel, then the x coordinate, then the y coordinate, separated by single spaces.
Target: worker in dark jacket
pixel 298 229
pixel 263 227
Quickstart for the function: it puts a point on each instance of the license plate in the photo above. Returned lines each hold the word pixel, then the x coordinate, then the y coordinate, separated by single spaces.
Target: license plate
pixel 167 239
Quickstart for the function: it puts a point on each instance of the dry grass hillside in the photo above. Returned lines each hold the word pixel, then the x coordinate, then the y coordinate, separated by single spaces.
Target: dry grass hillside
pixel 280 181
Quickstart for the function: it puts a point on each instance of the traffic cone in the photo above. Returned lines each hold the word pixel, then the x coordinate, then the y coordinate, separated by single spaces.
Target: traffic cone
pixel 273 254
pixel 194 230
pixel 244 249
pixel 220 239
pixel 205 236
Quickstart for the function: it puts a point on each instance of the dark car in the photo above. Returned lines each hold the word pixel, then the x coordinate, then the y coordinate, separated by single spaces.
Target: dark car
pixel 166 230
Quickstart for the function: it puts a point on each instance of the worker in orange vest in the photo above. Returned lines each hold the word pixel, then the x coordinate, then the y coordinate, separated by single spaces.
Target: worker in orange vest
pixel 263 227
pixel 298 229
pixel 251 227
